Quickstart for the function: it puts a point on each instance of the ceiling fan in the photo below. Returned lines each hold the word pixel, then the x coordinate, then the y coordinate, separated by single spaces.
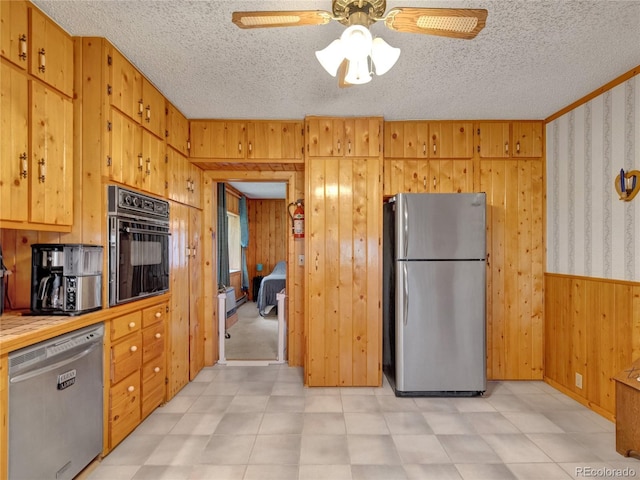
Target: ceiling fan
pixel 356 55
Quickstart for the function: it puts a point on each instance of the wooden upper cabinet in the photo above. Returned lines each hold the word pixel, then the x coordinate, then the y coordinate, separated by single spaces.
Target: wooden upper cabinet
pixel 343 137
pixel 274 140
pixel 125 85
pixel 527 139
pixel 153 117
pixel 135 96
pixel 177 129
pixel 510 139
pixel 126 149
pixel 493 140
pixel 52 156
pixel 51 53
pixel 362 137
pixel 420 139
pixel 450 140
pixel 218 139
pixel 15 171
pixel 408 139
pixel 152 177
pixel 14 32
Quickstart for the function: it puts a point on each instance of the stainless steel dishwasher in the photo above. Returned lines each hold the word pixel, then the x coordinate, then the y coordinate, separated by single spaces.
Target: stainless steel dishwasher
pixel 55 405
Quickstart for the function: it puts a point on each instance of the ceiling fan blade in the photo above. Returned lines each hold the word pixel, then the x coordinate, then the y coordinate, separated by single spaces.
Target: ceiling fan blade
pixel 342 73
pixel 445 22
pixel 284 18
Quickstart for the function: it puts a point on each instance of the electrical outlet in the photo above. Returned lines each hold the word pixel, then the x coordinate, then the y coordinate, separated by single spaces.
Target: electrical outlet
pixel 301 260
pixel 578 380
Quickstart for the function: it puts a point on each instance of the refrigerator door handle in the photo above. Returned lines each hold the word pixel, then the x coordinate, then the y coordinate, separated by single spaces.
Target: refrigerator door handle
pixel 405 293
pixel 405 227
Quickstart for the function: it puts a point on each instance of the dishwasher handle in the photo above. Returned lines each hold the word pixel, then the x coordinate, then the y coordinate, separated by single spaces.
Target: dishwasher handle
pixel 39 371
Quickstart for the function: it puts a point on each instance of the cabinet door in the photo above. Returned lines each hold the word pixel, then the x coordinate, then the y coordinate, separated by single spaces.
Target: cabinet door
pixel 14 162
pixel 176 177
pixel 325 137
pixel 451 140
pixel 51 56
pixel 196 313
pixel 218 139
pixel 126 86
pixel 178 327
pixel 450 176
pixel 194 185
pixel 527 139
pixel 127 161
pixel 154 115
pixel 13 36
pixel 515 273
pixel 406 139
pixel 154 170
pixel 362 137
pixel 342 309
pixel 52 156
pixel 177 127
pixel 493 140
pixel 274 140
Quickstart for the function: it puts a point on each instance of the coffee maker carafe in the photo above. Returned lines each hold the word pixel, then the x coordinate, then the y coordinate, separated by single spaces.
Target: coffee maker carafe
pixel 66 279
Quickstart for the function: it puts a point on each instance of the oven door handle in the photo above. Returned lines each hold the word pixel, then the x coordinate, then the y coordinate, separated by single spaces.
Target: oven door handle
pixel 142 230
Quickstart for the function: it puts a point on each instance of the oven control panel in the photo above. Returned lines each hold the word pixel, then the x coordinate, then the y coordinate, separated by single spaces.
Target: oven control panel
pixel 123 201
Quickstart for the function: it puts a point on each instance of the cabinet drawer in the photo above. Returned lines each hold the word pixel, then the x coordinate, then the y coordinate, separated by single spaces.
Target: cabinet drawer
pixel 126 357
pixel 153 315
pixel 124 411
pixel 125 325
pixel 153 384
pixel 152 342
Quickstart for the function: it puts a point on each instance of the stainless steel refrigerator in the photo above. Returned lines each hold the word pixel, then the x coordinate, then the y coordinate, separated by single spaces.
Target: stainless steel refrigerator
pixel 434 283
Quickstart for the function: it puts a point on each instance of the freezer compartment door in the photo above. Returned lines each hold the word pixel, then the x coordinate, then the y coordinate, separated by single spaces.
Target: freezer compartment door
pixel 440 226
pixel 440 326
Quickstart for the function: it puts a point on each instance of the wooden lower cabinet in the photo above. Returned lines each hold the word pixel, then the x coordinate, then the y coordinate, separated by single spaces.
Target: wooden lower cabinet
pixel 137 369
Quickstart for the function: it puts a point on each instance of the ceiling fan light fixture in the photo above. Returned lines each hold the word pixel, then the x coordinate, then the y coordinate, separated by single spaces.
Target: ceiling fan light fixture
pixel 358 72
pixel 356 42
pixel 383 56
pixel 331 57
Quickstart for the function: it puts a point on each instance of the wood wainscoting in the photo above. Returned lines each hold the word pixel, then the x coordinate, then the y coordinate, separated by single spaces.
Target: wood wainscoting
pixel 592 328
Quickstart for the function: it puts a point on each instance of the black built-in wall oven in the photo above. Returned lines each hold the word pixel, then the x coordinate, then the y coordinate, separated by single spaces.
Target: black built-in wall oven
pixel 138 245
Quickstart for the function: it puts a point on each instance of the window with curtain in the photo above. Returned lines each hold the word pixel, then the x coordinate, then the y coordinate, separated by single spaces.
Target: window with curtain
pixel 235 250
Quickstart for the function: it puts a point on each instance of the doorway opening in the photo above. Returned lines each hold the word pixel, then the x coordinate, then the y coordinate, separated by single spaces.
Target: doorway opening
pixel 252 329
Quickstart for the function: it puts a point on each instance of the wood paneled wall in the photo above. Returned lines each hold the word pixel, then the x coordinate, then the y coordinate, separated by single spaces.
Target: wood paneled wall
pixel 268 228
pixel 592 328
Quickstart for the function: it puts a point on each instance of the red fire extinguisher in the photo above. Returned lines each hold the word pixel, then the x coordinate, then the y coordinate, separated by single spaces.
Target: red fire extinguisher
pixel 297 218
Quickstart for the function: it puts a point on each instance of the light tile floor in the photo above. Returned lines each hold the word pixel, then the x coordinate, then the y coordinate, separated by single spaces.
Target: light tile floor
pixel 247 422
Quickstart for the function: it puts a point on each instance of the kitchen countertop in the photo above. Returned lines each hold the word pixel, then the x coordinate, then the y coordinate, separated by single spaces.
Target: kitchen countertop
pixel 18 331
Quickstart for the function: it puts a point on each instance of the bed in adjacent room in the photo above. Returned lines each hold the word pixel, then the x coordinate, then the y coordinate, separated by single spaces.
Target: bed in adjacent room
pixel 271 285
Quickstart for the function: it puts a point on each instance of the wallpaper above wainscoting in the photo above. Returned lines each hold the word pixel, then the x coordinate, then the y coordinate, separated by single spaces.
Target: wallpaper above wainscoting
pixel 590 231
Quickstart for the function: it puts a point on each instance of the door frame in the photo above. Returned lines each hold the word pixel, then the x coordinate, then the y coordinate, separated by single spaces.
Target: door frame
pixel 294 314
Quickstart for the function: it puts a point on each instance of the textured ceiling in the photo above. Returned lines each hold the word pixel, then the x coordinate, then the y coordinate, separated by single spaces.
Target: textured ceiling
pixel 533 58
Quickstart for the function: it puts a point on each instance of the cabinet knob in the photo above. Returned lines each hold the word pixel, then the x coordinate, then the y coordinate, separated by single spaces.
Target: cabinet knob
pixel 158 335
pixel 130 388
pixel 156 370
pixel 132 324
pixel 133 348
pixel 158 315
pixel 23 165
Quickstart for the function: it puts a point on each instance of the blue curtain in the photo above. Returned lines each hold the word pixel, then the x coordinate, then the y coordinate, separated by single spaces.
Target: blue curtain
pixel 223 238
pixel 244 242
